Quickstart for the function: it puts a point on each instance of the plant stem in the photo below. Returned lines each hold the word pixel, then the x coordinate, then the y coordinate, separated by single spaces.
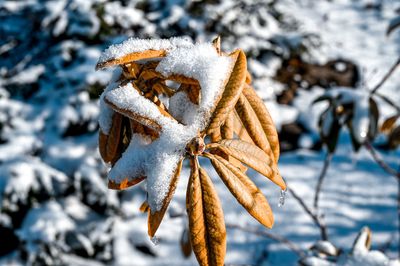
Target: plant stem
pixel 387 169
pixel 292 246
pixel 380 162
pixel 390 72
pixel 317 219
pixel 388 101
pixel 321 178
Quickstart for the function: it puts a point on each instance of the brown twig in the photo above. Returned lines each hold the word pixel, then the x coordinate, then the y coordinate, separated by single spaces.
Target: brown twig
pixel 380 162
pixel 292 246
pixel 317 219
pixel 321 178
pixel 390 72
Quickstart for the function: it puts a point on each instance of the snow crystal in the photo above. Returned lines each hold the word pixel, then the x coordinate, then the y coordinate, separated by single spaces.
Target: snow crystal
pixel 133 45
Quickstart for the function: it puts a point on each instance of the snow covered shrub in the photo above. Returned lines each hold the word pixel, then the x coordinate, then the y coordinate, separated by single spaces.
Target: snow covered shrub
pixel 352 108
pixel 170 100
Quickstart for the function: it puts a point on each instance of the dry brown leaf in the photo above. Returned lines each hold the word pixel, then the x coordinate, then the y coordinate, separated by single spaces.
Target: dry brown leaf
pixel 394 138
pixel 134 116
pixel 206 220
pixel 265 119
pixel 389 123
pixel 227 129
pixel 250 155
pixel 233 89
pixel 244 190
pixel 161 88
pixel 239 129
pixel 127 182
pixel 131 70
pixel 217 44
pixel 109 144
pixel 193 92
pixel 138 117
pixel 149 74
pixel 155 218
pixel 252 124
pixel 247 148
pixel 216 135
pixel 148 54
pixel 248 78
pixel 182 79
pixel 144 207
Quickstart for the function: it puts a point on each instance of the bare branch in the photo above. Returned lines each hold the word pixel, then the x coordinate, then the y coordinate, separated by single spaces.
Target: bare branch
pixel 388 101
pixel 390 72
pixel 321 177
pixel 317 219
pixel 380 161
pixel 292 246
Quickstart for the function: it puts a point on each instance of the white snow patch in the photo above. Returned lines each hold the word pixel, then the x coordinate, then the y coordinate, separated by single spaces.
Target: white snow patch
pixel 45 222
pixel 202 63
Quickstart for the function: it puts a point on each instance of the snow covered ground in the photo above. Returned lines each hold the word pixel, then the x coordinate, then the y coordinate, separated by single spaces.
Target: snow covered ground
pixel 55 207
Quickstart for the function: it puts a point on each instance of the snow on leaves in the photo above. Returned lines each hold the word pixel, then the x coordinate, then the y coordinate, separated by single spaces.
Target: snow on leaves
pixel 351 108
pixel 171 97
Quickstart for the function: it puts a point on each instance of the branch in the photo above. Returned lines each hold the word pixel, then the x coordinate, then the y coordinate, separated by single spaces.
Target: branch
pixel 321 177
pixel 391 70
pixel 317 219
pixel 388 101
pixel 380 161
pixel 292 246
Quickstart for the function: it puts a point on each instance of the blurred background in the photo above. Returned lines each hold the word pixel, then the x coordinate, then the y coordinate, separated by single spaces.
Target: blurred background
pixel 55 208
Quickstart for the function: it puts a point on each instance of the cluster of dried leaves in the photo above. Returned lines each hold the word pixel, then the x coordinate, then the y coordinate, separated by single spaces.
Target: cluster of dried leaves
pixel 240 132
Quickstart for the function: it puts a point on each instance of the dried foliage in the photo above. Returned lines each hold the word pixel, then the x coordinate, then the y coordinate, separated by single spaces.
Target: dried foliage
pixel 240 133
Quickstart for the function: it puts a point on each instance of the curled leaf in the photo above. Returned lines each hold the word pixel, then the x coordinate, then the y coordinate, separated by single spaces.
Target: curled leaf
pixel 206 221
pixel 140 117
pixel 265 119
pixel 109 144
pixel 250 155
pixel 389 124
pixel 155 217
pixel 239 129
pixel 232 91
pixel 125 183
pixel 148 54
pixel 227 130
pixel 252 124
pixel 394 138
pixel 244 190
